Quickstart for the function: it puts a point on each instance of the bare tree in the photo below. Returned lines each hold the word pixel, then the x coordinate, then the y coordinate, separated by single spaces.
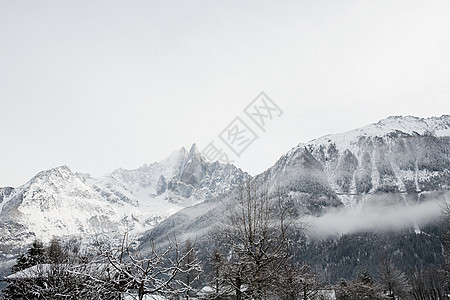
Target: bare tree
pixel 427 283
pixel 391 279
pixel 217 264
pixel 218 275
pixel 191 275
pixel 298 282
pixel 155 273
pixel 254 239
pixel 112 273
pixel 56 253
pixel 361 288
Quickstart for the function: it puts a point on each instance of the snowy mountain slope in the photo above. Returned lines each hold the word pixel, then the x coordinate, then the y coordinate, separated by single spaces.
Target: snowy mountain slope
pixel 407 125
pixel 399 160
pixel 398 154
pixel 58 202
pixel 406 155
pixel 54 203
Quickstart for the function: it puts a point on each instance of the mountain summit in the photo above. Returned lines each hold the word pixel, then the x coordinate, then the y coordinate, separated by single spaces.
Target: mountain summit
pixel 394 125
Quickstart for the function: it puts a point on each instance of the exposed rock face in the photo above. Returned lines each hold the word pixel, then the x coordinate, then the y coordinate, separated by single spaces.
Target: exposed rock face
pixel 161 186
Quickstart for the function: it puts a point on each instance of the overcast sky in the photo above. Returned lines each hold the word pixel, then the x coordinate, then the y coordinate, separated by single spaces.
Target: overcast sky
pixel 98 85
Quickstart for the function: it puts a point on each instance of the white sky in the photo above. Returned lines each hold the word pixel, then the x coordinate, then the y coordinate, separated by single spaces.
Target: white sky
pixel 99 85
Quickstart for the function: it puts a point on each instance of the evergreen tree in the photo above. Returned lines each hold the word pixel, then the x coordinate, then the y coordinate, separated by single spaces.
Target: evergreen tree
pixel 56 253
pixel 35 255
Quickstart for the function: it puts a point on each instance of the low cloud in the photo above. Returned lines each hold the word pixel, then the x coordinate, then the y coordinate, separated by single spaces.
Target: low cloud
pixel 374 217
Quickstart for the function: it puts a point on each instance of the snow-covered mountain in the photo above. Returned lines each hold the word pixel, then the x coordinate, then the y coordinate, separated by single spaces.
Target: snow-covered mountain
pixel 59 202
pixel 400 160
pixel 407 155
pixel 407 158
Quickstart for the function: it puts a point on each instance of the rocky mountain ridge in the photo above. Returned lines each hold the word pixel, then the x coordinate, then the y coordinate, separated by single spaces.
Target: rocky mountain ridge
pixel 406 155
pixel 397 162
pixel 59 202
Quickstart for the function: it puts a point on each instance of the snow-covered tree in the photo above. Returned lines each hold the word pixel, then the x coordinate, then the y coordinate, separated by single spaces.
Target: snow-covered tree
pixel 157 272
pixel 59 274
pixel 105 273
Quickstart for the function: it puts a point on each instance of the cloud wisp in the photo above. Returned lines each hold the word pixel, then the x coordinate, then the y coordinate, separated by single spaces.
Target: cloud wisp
pixel 375 217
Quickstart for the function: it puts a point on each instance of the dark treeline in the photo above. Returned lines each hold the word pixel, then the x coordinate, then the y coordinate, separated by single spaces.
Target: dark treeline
pixel 346 256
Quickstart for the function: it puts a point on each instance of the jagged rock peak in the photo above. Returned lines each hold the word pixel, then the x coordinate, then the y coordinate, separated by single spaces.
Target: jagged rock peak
pixel 194 152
